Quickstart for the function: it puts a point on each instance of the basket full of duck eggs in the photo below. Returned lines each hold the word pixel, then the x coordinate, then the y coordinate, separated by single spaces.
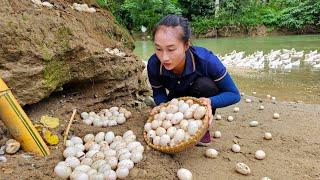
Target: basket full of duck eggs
pixel 178 124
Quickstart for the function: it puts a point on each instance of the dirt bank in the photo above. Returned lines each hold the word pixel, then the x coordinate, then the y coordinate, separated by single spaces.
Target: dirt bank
pixel 291 154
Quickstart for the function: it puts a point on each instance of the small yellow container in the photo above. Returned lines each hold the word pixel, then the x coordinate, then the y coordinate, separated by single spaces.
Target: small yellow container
pixel 18 123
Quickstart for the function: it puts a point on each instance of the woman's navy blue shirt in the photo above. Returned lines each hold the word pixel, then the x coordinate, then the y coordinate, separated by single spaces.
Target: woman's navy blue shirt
pixel 200 62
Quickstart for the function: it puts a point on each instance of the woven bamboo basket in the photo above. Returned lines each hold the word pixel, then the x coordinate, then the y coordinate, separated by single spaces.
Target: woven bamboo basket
pixel 183 144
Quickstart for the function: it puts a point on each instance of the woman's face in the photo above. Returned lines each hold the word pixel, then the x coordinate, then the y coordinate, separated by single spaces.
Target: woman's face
pixel 170 48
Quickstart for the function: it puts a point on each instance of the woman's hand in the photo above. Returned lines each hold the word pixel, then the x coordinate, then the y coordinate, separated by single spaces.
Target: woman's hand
pixel 207 103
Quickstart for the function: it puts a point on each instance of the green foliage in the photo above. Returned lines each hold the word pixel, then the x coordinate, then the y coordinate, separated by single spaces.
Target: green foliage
pixel 275 14
pixel 148 12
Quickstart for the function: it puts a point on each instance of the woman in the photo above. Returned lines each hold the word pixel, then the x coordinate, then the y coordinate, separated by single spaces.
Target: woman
pixel 186 70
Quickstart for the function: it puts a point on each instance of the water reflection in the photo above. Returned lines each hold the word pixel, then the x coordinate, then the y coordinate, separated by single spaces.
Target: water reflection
pixel 301 84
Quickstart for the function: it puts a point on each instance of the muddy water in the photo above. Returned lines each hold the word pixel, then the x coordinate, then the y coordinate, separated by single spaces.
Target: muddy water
pixel 301 84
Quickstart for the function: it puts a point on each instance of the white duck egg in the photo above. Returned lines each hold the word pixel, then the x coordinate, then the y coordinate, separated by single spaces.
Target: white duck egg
pixel 123 156
pixel 139 148
pixel 254 123
pixel 192 127
pixel 99 137
pixel 156 140
pixel 84 115
pixel 267 136
pixel 122 172
pixel 110 175
pixel 183 107
pixel 174 102
pixel 133 145
pixel 265 178
pixel 184 174
pixel 211 153
pixel 109 137
pixel 127 163
pixel 254 93
pixel 97 122
pixel 87 161
pixel 172 143
pixel 113 161
pixel 147 127
pixel 169 116
pixel 112 123
pixel 184 124
pixel 130 138
pixel 217 134
pixel 248 100
pixel 276 115
pixel 155 124
pixel 122 151
pixel 79 147
pixel 177 117
pixel 98 176
pixel 113 109
pixel 76 140
pixel 164 140
pixel 78 175
pixel 230 118
pixel 161 116
pixel 80 155
pixel 171 109
pixel 261 107
pixel 171 131
pixel 62 170
pixel 218 117
pixel 121 120
pixel 69 143
pixel 90 153
pixel 95 146
pixel 136 157
pixel 188 114
pixel 97 164
pixel 117 138
pixel 69 151
pixel 236 109
pixel 236 148
pixel 160 131
pixel 151 134
pixel 189 102
pixel 91 172
pixel 127 133
pixel 273 98
pixel 97 156
pixel 194 106
pixel 179 135
pixel 166 124
pixel 110 153
pixel 82 168
pixel 243 169
pixel 88 145
pixel 260 154
pixel 120 146
pixel 104 145
pixel 72 161
pixel 199 112
pixel 104 168
pixel 88 137
pixel 88 121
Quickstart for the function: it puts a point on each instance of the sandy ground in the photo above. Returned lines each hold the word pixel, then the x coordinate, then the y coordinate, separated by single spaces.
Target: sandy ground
pixel 293 153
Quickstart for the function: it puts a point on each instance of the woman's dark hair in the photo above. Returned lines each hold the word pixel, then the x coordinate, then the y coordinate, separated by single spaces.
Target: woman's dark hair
pixel 173 20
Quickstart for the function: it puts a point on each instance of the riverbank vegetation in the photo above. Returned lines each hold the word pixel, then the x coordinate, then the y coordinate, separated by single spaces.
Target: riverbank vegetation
pixel 210 16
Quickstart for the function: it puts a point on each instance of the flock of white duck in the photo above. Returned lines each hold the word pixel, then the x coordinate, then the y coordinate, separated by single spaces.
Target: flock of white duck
pixel 283 59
